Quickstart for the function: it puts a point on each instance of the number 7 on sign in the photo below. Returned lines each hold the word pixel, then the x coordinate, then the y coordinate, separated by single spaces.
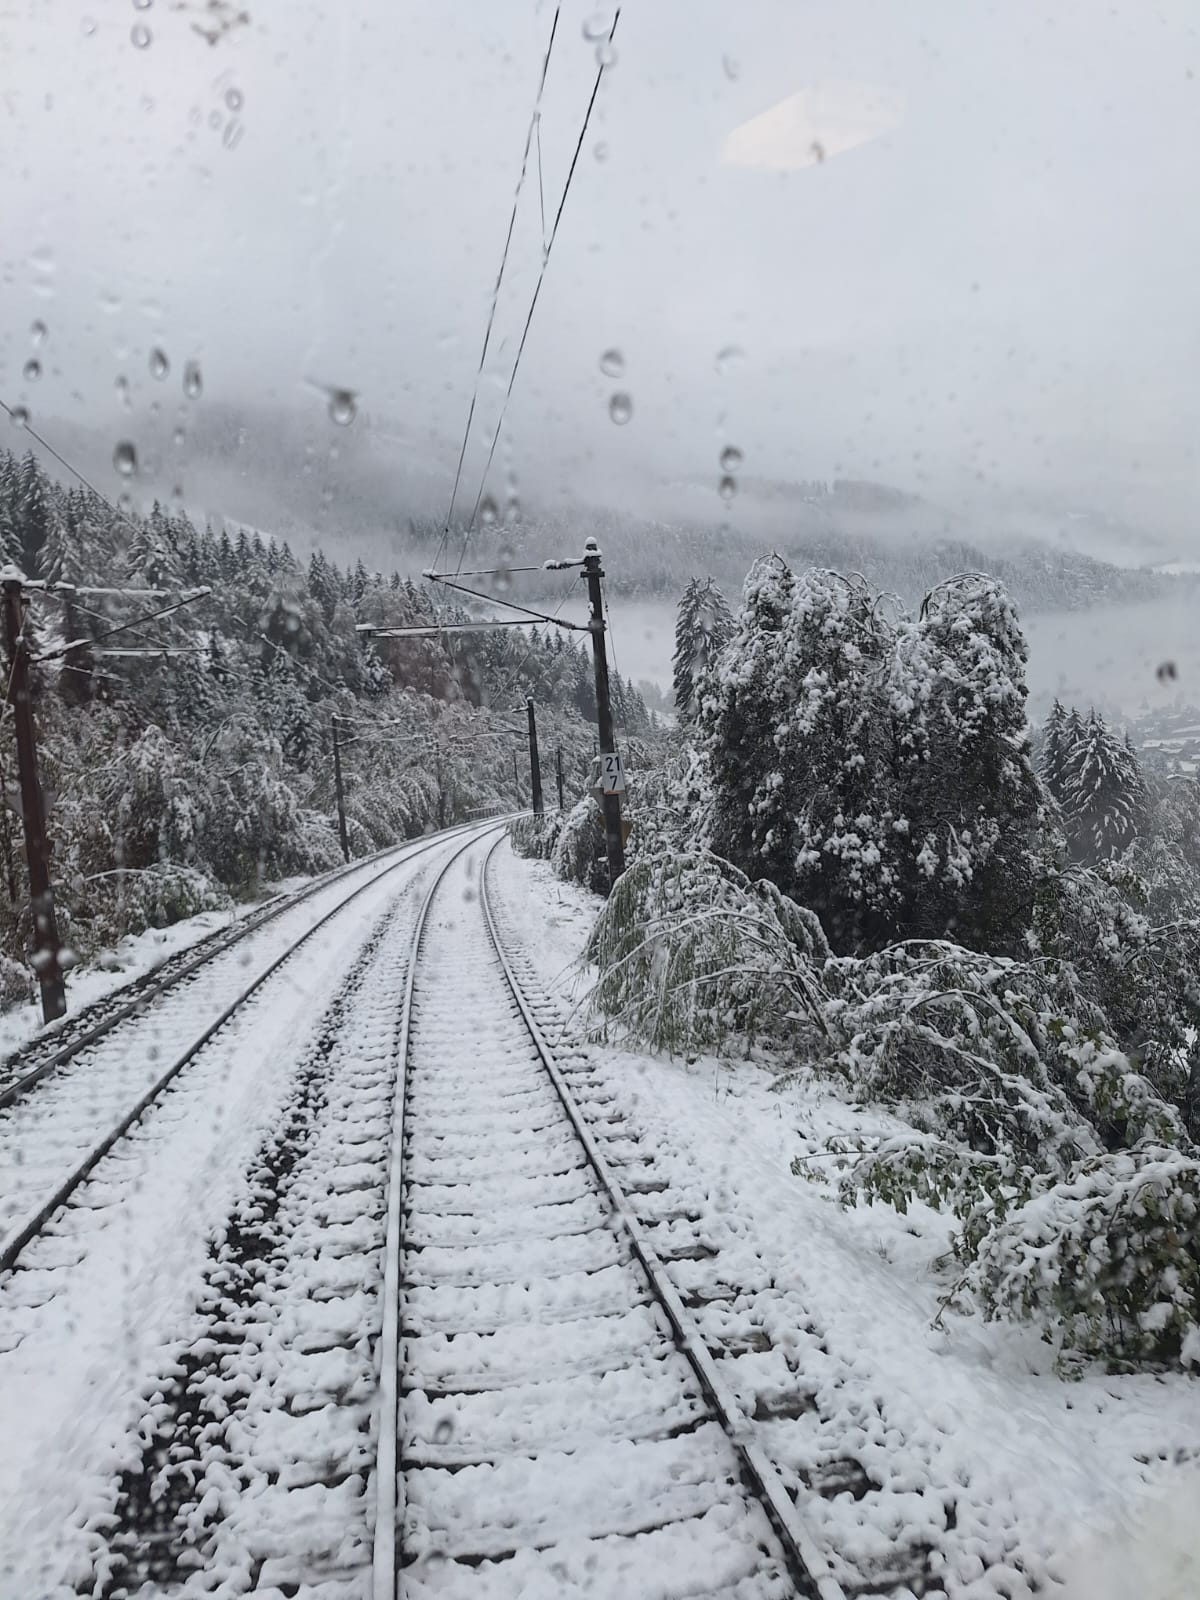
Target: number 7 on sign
pixel 612 774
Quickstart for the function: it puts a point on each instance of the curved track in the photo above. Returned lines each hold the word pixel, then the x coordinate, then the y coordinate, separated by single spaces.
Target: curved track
pixel 106 1077
pixel 436 1353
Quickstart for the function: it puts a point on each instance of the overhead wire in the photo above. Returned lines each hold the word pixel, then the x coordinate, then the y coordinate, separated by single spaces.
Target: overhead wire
pixel 534 122
pixel 605 56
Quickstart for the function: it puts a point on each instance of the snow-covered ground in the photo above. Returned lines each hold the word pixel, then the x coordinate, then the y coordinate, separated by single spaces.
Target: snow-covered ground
pixel 1019 1480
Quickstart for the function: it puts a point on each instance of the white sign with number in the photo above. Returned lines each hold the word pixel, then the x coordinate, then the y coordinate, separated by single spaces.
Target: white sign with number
pixel 612 774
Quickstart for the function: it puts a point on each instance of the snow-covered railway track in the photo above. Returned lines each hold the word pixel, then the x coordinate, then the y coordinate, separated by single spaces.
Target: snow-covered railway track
pixel 892 1519
pixel 62 1042
pixel 96 1086
pixel 95 1314
pixel 558 1427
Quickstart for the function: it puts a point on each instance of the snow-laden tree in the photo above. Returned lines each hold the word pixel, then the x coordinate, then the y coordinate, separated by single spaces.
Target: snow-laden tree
pixel 1104 799
pixel 703 625
pixel 969 797
pixel 876 771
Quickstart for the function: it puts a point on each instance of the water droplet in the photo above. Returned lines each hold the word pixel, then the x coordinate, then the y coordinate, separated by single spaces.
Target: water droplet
pixel 727 488
pixel 601 151
pixel 141 36
pixel 728 357
pixel 89 26
pixel 20 416
pixel 343 407
pixel 489 511
pixel 159 365
pixel 32 370
pixel 142 5
pixel 731 458
pixel 597 25
pixel 121 385
pixel 612 363
pixel 512 507
pixel 177 438
pixel 620 408
pixel 733 68
pixel 125 459
pixel 443 1430
pixel 606 56
pixel 234 99
pixel 193 383
pixel 38 331
pixel 215 119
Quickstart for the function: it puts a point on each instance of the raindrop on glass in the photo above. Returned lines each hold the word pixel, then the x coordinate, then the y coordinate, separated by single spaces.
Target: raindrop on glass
pixel 612 363
pixel 343 407
pixel 597 26
pixel 142 5
pixel 121 385
pixel 20 416
pixel 141 36
pixel 620 409
pixel 125 459
pixel 89 26
pixel 733 68
pixel 193 383
pixel 489 511
pixel 601 151
pixel 38 331
pixel 234 99
pixel 32 370
pixel 731 458
pixel 159 365
pixel 606 56
pixel 728 357
pixel 727 488
pixel 443 1430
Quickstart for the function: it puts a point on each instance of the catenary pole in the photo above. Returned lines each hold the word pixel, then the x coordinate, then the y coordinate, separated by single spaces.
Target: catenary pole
pixel 47 959
pixel 339 789
pixel 535 765
pixel 558 773
pixel 614 843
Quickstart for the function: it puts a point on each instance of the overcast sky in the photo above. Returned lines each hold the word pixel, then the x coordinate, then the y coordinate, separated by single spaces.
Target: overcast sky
pixel 946 244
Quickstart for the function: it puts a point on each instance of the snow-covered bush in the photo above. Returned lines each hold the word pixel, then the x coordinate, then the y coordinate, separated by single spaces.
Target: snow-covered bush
pixel 536 837
pixel 1108 1259
pixel 692 954
pixel 578 855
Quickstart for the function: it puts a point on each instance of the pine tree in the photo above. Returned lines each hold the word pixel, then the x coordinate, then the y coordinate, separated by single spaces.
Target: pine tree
pixel 702 628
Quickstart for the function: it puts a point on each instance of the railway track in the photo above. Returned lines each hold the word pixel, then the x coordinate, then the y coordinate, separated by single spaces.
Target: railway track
pixel 472 1375
pixel 63 1041
pixel 97 1084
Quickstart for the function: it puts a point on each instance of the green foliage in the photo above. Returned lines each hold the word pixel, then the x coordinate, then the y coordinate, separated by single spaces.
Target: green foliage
pixel 692 955
pixel 535 838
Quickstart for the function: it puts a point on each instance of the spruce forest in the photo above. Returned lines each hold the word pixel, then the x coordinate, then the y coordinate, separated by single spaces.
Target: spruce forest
pixel 187 759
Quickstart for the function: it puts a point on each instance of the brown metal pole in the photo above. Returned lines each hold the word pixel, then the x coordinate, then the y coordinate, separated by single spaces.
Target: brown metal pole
pixel 341 794
pixel 535 765
pixel 614 843
pixel 47 960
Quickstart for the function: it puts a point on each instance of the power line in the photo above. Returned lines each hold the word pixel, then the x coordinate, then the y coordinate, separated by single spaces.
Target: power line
pixel 605 56
pixel 534 122
pixel 62 461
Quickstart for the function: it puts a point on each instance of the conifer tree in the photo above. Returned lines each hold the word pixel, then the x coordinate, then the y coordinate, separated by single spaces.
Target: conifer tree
pixel 702 628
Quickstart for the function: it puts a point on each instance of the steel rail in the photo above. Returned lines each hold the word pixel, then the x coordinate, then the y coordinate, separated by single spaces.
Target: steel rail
pixel 33 1225
pixel 145 989
pixel 807 1565
pixel 388 1506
